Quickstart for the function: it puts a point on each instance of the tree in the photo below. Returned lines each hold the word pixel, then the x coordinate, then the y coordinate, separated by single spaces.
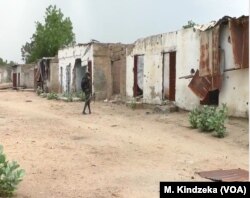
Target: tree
pixel 5 63
pixel 55 33
pixel 189 25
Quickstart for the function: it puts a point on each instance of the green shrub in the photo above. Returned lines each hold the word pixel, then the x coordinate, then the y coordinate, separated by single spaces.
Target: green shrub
pixel 69 96
pixel 10 175
pixel 80 95
pixel 220 117
pixel 52 96
pixel 205 120
pixel 39 91
pixel 193 117
pixel 209 119
pixel 132 104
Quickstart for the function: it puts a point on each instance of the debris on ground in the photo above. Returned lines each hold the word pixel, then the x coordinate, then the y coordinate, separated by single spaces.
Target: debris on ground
pixel 232 175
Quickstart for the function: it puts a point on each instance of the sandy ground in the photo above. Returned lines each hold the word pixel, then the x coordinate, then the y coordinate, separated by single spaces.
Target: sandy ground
pixel 114 152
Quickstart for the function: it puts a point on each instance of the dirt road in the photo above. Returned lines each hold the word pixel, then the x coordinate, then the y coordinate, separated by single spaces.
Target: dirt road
pixel 114 152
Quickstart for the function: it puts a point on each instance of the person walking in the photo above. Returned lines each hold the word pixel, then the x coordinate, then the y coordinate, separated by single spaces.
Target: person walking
pixel 86 88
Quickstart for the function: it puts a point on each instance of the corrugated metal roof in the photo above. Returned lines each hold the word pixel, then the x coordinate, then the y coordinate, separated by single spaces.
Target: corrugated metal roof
pixel 233 175
pixel 205 26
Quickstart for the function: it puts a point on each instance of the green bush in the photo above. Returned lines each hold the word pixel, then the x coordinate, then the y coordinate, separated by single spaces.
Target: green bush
pixel 80 95
pixel 10 175
pixel 69 96
pixel 193 117
pixel 209 119
pixel 52 96
pixel 39 91
pixel 205 120
pixel 133 104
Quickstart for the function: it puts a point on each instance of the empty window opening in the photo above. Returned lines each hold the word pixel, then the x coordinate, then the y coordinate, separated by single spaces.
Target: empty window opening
pixel 212 98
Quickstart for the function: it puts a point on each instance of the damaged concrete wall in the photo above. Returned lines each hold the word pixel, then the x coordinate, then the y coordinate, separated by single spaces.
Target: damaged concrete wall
pixel 101 55
pixel 54 76
pixel 16 70
pixel 235 92
pixel 68 56
pixel 118 68
pixel 27 75
pixel 102 71
pixel 5 74
pixel 187 58
pixel 186 44
pixel 152 48
pixel 109 68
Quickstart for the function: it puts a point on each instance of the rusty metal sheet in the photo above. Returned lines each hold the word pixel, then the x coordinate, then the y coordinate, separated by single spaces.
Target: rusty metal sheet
pixel 232 175
pixel 216 50
pixel 245 62
pixel 239 29
pixel 204 54
pixel 210 52
pixel 200 85
pixel 216 82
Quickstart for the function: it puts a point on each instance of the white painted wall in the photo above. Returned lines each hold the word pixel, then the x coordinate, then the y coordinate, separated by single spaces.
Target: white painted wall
pixel 129 75
pixel 4 75
pixel 68 56
pixel 186 44
pixel 187 58
pixel 235 92
pixel 152 48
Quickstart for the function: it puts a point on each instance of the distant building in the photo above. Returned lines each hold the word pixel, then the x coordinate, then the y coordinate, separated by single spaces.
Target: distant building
pixel 46 74
pixel 106 63
pixel 23 76
pixel 5 74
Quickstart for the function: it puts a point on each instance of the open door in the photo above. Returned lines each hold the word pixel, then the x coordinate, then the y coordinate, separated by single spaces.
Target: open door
pixel 68 78
pixel 169 76
pixel 18 79
pixel 116 75
pixel 138 75
pixel 14 80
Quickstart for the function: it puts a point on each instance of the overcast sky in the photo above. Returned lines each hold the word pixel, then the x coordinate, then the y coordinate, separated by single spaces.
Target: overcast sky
pixel 109 20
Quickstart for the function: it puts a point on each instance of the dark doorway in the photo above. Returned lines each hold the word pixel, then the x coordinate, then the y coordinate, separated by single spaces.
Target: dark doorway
pixel 212 98
pixel 169 76
pixel 14 80
pixel 18 80
pixel 35 82
pixel 79 73
pixel 172 76
pixel 61 79
pixel 116 75
pixel 68 78
pixel 138 75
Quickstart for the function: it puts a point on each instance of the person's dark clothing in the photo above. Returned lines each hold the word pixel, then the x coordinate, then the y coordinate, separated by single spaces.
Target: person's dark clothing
pixel 86 88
